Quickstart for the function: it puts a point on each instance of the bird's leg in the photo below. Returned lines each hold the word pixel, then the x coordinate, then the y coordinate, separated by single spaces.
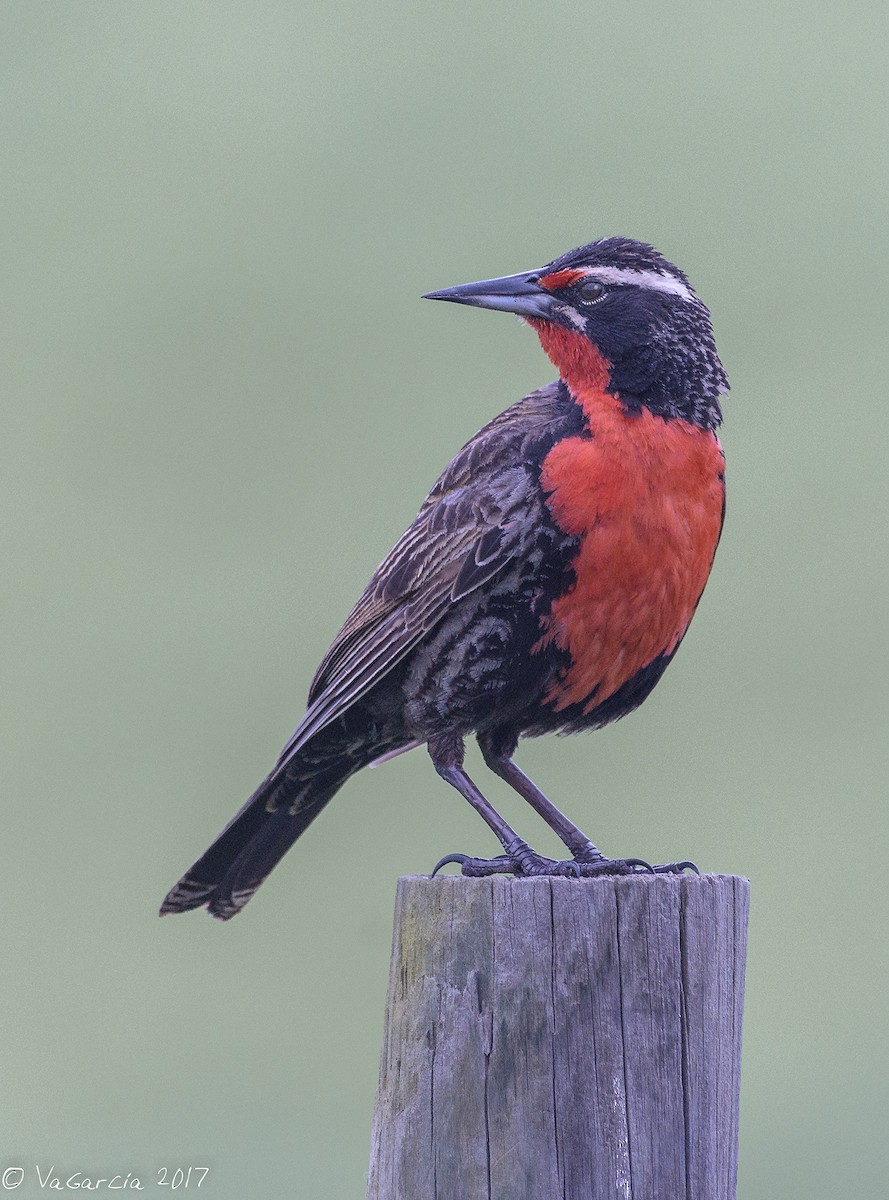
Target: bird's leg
pixel 576 841
pixel 447 758
pixel 519 859
pixel 588 857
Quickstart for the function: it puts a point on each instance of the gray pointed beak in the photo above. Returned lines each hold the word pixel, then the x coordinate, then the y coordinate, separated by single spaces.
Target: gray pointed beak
pixel 520 294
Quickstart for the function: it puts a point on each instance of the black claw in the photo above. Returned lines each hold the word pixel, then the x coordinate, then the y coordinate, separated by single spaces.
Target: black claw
pixel 462 859
pixel 676 868
pixel 647 868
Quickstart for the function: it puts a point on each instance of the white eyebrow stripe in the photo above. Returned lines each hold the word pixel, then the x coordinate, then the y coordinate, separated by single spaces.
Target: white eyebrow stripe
pixel 647 279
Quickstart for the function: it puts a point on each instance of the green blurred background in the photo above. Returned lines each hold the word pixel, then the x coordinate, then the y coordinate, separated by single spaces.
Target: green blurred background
pixel 223 400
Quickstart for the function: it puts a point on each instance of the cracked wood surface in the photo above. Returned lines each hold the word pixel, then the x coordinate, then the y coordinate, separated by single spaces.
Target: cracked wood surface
pixel 562 1039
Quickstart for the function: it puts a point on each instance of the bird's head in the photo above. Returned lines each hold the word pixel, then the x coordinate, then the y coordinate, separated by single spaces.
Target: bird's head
pixel 617 316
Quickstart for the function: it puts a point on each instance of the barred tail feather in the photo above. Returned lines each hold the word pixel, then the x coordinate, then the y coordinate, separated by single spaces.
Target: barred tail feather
pixel 255 840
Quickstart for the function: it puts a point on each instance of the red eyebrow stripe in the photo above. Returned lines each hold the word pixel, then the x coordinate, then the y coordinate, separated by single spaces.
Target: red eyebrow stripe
pixel 560 279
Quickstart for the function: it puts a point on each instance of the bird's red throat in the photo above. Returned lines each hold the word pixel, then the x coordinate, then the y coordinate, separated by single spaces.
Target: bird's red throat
pixel 581 364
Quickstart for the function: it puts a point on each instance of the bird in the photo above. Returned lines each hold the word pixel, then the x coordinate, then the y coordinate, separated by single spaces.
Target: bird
pixel 545 584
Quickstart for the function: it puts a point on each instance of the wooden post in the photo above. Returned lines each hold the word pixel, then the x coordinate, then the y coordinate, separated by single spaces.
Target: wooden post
pixel 562 1039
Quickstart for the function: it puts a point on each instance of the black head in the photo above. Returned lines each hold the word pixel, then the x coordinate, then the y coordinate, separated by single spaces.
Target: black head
pixel 636 308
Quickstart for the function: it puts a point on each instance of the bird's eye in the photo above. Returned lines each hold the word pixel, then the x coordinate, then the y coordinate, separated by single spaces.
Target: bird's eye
pixel 590 291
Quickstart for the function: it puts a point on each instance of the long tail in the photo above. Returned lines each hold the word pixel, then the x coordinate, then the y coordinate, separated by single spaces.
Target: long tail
pixel 258 837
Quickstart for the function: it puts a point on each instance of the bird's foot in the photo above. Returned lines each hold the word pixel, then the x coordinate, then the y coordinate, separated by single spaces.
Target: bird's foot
pixel 588 854
pixel 677 868
pixel 522 861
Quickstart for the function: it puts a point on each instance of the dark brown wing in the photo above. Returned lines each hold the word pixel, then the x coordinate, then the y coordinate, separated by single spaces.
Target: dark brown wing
pixel 473 522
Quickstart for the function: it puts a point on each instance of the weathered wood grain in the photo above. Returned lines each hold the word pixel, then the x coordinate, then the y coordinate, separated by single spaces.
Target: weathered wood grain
pixel 564 1039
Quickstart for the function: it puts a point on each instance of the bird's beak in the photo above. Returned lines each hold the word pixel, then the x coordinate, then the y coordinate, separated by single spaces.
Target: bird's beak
pixel 520 294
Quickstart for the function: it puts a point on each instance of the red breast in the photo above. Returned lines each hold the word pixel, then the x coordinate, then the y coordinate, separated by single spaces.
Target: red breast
pixel 645 497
